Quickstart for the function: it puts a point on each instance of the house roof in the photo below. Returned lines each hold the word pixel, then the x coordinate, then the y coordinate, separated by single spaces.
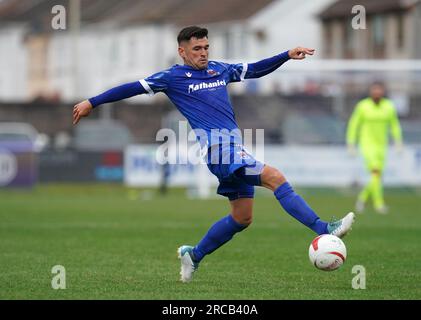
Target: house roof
pixel 126 12
pixel 343 8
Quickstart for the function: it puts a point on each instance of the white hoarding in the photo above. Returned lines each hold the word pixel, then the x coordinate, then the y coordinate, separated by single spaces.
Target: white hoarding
pixel 302 165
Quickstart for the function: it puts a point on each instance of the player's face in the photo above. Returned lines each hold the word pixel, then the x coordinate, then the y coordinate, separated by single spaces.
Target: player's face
pixel 195 52
pixel 376 92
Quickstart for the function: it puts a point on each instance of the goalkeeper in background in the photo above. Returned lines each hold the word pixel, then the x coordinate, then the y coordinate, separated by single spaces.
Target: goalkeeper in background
pixel 369 127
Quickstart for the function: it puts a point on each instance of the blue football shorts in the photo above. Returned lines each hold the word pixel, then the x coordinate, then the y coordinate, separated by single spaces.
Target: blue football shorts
pixel 236 169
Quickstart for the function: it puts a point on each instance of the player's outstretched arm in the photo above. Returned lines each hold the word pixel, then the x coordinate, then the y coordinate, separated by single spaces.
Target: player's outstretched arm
pixel 266 66
pixel 124 91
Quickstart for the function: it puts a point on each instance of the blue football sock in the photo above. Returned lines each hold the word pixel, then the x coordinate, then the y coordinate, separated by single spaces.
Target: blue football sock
pixel 298 208
pixel 221 232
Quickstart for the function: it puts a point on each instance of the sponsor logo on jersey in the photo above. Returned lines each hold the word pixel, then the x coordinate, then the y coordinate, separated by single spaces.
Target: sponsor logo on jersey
pixel 188 74
pixel 204 85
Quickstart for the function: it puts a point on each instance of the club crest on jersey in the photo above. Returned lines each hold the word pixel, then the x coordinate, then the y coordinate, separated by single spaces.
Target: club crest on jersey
pixel 188 74
pixel 204 85
pixel 212 72
pixel 243 154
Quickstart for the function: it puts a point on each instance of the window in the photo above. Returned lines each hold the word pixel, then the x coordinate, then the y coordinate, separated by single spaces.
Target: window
pixel 348 40
pixel 378 30
pixel 401 30
pixel 228 44
pixel 378 36
pixel 328 34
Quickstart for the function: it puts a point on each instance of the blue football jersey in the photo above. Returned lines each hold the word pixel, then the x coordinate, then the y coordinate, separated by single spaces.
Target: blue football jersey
pixel 202 97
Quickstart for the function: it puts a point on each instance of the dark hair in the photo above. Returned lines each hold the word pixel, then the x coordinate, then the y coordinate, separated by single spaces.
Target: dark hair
pixel 193 31
pixel 378 83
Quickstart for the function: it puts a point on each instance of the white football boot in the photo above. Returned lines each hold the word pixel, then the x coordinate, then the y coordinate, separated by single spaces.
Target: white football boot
pixel 188 266
pixel 341 227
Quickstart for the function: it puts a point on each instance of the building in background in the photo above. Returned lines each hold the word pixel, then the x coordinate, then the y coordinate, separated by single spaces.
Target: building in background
pixel 392 31
pixel 13 63
pixel 306 103
pixel 120 41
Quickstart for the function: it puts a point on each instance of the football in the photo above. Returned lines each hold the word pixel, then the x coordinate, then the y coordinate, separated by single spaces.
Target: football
pixel 327 252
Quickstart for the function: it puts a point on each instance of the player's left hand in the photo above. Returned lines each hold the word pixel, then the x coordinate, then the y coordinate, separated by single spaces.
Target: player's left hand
pixel 300 53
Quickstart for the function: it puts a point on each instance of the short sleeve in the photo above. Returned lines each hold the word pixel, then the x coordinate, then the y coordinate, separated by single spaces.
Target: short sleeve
pixel 157 82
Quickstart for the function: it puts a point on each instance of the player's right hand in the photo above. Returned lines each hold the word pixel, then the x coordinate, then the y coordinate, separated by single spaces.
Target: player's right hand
pixel 80 110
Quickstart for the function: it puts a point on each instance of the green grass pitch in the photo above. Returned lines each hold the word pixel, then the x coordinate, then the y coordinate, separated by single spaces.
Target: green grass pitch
pixel 117 243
